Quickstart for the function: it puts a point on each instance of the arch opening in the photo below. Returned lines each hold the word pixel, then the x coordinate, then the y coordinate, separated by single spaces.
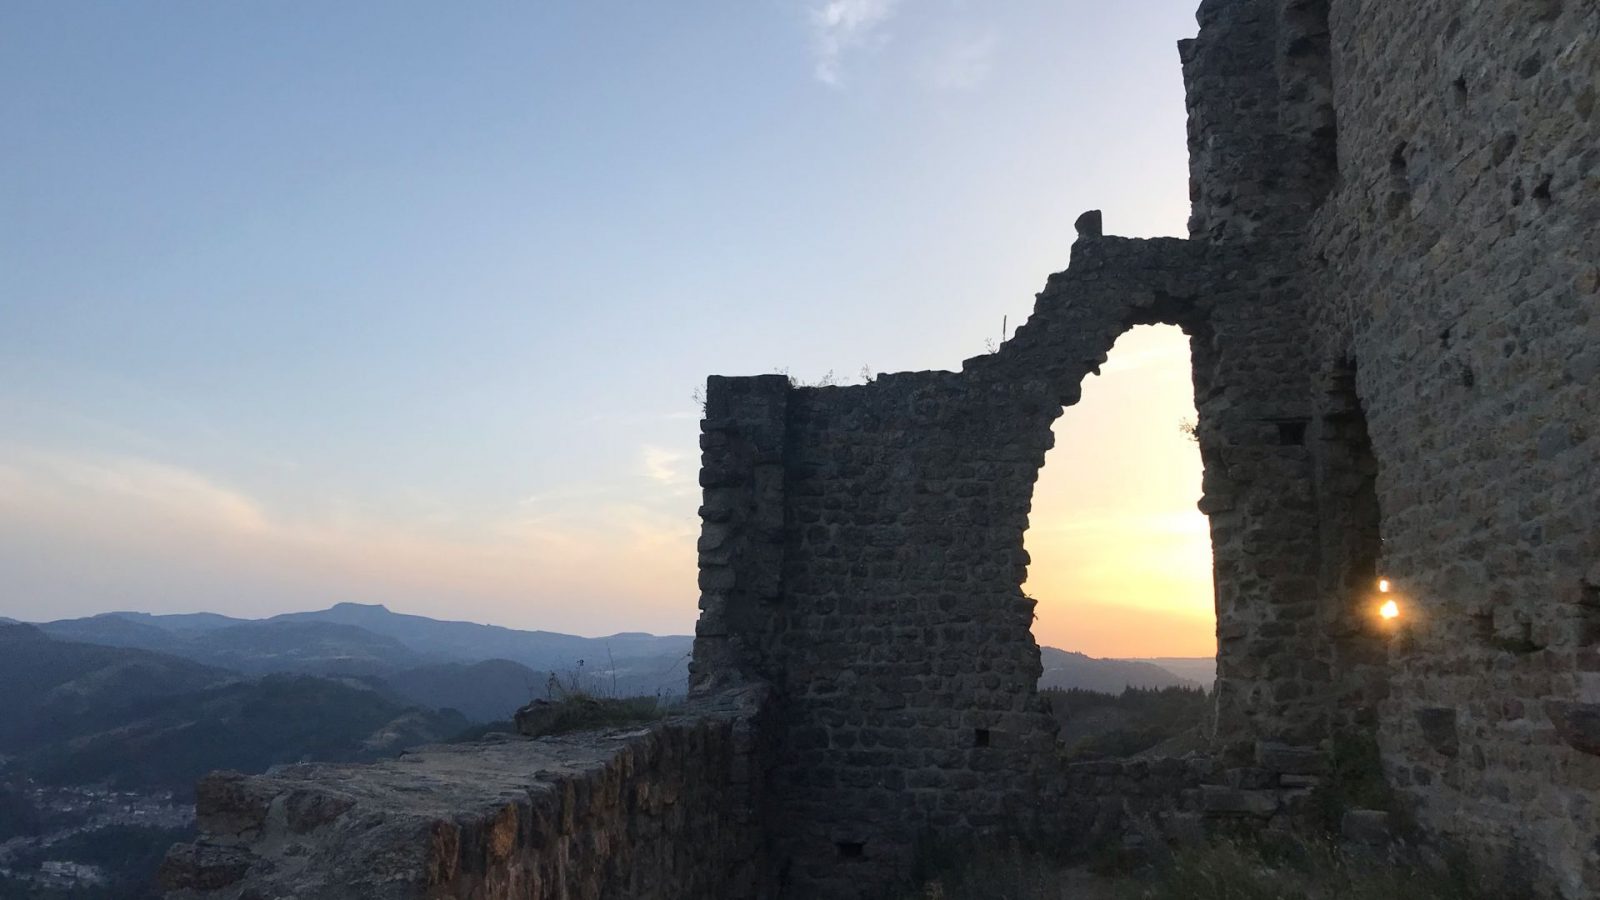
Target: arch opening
pixel 1120 556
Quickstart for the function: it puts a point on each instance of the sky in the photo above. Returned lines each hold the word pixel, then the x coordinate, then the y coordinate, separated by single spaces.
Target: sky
pixel 406 303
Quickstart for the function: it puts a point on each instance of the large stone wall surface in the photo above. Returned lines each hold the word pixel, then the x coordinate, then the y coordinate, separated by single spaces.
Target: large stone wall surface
pixel 1390 293
pixel 670 810
pixel 1457 273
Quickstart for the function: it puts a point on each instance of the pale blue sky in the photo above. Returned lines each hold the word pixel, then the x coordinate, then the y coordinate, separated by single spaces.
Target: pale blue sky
pixel 404 302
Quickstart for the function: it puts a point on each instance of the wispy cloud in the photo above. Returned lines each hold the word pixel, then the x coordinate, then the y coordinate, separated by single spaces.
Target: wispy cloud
pixel 842 26
pixel 664 466
pixel 156 487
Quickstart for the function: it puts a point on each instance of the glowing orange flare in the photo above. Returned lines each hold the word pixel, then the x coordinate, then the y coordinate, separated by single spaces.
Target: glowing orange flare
pixel 1389 610
pixel 1383 586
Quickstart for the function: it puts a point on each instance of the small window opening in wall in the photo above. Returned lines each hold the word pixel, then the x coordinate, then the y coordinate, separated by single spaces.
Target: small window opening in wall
pixel 1292 434
pixel 1399 182
pixel 980 737
pixel 1589 615
pixel 1541 193
pixel 1483 626
pixel 851 849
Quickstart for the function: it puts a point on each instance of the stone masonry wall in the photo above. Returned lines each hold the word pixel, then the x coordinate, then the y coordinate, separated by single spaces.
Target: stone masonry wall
pixel 863 556
pixel 1390 289
pixel 1457 267
pixel 672 810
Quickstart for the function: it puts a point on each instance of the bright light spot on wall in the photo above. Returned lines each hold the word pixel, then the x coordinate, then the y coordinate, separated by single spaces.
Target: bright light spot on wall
pixel 1389 610
pixel 1383 587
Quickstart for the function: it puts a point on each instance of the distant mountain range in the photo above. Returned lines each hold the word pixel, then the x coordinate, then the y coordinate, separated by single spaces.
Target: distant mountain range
pixel 154 701
pixel 1200 670
pixel 352 639
pixel 483 672
pixel 486 671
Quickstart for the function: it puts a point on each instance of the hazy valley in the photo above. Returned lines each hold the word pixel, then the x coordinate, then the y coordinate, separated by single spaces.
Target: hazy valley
pixel 109 720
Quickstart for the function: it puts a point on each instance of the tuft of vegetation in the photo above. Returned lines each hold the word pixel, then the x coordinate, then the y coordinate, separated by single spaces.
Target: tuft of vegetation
pixel 574 705
pixel 1096 725
pixel 584 712
pixel 1355 780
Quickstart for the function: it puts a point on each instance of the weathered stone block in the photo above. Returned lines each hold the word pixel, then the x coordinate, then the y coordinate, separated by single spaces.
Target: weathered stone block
pixel 1369 827
pixel 229 806
pixel 1578 724
pixel 1438 726
pixel 203 867
pixel 1286 760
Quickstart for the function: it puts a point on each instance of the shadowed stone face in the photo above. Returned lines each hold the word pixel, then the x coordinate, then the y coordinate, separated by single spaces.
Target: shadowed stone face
pixel 1390 311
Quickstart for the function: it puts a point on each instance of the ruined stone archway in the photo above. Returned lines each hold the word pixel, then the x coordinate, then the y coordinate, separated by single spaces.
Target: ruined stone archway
pixel 863 555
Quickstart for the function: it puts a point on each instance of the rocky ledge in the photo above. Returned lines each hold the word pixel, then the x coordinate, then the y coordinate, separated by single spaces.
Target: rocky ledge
pixel 654 811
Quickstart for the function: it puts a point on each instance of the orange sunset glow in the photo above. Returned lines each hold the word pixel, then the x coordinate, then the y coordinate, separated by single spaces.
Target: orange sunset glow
pixel 1121 558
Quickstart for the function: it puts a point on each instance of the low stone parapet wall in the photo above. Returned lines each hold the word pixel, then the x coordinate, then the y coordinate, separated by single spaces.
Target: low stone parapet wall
pixel 658 812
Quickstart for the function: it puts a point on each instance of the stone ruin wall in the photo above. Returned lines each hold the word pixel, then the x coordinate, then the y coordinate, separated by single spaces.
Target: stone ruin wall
pixel 1457 265
pixel 1391 290
pixel 863 555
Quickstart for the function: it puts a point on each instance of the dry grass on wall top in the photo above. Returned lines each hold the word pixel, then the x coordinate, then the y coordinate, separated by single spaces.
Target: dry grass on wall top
pixel 584 712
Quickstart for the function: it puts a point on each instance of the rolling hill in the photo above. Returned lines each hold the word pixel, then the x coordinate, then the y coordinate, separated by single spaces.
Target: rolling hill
pixel 76 713
pixel 372 641
pixel 1065 670
pixel 483 691
pixel 55 690
pixel 545 651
